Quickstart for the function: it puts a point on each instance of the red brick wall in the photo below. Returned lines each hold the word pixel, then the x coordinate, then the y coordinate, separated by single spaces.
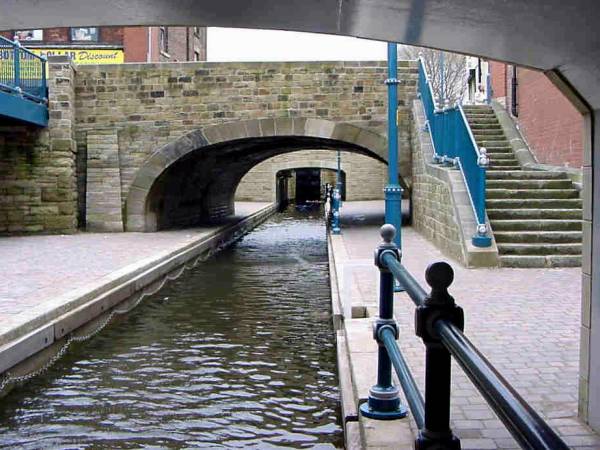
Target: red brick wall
pixel 498 76
pixel 135 43
pixel 552 126
pixel 111 35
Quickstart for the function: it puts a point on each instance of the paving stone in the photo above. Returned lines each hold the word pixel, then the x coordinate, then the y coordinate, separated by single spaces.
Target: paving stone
pixel 514 316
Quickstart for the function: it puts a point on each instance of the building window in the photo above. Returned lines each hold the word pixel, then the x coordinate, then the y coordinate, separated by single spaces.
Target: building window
pixel 84 34
pixel 164 39
pixel 29 35
pixel 196 56
pixel 197 31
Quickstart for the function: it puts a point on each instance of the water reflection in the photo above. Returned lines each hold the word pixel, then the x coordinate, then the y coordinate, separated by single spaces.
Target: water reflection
pixel 238 352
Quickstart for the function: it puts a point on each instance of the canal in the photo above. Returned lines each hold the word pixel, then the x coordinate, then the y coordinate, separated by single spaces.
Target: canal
pixel 237 352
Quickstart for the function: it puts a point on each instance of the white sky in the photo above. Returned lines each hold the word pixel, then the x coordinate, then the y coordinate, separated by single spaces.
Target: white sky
pixel 237 44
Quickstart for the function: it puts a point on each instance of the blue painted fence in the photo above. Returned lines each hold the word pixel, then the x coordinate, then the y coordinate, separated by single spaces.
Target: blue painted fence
pixel 22 72
pixel 454 144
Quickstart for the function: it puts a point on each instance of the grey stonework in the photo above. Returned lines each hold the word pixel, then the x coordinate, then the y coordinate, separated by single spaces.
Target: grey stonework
pixel 103 212
pixel 441 206
pixel 152 115
pixel 161 112
pixel 37 166
pixel 366 177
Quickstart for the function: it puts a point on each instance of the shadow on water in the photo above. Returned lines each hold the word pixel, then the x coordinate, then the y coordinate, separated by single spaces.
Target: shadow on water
pixel 238 352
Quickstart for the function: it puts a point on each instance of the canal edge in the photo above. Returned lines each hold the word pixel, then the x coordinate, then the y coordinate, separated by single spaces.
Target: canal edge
pixel 357 360
pixel 29 352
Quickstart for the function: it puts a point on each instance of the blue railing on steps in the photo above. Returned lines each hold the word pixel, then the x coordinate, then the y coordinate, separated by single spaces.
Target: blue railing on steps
pixel 454 144
pixel 22 72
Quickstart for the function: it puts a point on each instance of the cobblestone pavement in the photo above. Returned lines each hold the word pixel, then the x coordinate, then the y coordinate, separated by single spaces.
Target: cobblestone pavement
pixel 526 322
pixel 38 269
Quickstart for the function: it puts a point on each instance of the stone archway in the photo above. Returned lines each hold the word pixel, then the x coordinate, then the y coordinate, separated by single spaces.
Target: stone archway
pixel 229 150
pixel 366 176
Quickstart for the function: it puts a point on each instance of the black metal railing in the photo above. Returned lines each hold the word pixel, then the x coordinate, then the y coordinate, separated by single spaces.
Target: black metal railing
pixel 440 322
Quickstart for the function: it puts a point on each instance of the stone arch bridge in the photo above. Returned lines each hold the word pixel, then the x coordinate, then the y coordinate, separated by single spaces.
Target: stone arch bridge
pixel 167 145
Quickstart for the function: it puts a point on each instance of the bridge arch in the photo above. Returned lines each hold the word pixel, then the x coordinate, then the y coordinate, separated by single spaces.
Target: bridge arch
pixel 210 163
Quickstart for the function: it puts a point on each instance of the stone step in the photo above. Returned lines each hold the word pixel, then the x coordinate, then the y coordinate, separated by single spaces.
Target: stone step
pixel 488 131
pixel 548 261
pixel 526 175
pixel 540 249
pixel 533 213
pixel 494 150
pixel 505 164
pixel 529 184
pixel 532 193
pixel 504 155
pixel 501 167
pixel 483 120
pixel 492 143
pixel 536 224
pixel 485 126
pixel 530 203
pixel 531 237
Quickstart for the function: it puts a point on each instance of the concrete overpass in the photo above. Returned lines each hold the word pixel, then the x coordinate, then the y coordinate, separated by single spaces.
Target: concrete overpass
pixel 552 35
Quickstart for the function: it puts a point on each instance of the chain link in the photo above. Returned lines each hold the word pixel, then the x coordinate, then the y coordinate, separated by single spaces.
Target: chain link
pixel 10 379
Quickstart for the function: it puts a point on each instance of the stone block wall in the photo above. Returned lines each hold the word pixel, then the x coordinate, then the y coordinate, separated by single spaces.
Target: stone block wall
pixel 37 166
pixel 149 106
pixel 365 177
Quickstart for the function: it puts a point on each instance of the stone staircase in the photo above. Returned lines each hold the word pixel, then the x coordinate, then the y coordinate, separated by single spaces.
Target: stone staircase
pixel 535 215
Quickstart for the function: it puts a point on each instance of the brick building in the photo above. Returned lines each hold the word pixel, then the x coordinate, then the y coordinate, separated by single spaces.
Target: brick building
pixel 549 123
pixel 94 45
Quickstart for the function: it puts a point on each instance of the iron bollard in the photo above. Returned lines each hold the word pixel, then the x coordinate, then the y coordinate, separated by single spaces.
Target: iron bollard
pixel 439 305
pixel 384 397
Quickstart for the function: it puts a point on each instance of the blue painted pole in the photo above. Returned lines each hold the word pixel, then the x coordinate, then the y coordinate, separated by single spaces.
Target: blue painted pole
pixel 336 200
pixel 393 190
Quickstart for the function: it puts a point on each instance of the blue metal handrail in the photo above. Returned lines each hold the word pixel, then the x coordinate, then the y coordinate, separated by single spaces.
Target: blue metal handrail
pixel 454 143
pixel 22 72
pixel 440 323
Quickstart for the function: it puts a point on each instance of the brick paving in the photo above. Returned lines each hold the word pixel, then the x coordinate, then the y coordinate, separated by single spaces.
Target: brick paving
pixel 526 322
pixel 38 270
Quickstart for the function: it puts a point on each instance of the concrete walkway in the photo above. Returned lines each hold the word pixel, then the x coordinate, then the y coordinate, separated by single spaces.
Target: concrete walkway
pixel 44 277
pixel 526 321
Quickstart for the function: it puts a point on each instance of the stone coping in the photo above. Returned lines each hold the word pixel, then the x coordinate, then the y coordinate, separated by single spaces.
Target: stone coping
pixel 60 315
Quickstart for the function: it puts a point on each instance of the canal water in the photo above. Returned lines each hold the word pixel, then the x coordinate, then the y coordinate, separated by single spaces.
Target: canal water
pixel 237 352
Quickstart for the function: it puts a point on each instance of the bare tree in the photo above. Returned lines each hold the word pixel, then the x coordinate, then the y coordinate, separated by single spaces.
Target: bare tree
pixel 454 82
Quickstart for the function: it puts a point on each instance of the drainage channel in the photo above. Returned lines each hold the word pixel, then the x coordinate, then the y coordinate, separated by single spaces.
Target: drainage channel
pixel 238 352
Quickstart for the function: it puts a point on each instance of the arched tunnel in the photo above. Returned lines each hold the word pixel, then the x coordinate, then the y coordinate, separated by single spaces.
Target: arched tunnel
pixel 199 187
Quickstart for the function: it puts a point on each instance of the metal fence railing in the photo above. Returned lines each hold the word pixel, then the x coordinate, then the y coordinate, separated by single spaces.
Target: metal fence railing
pixel 454 144
pixel 439 322
pixel 22 72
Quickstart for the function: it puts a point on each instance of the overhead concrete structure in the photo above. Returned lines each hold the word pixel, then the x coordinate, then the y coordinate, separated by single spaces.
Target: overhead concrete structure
pixel 556 36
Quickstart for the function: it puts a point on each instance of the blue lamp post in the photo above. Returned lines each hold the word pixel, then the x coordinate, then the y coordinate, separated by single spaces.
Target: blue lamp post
pixel 393 190
pixel 337 197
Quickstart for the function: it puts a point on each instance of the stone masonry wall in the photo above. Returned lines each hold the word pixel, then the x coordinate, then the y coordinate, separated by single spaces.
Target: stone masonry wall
pixel 432 205
pixel 150 105
pixel 37 165
pixel 365 177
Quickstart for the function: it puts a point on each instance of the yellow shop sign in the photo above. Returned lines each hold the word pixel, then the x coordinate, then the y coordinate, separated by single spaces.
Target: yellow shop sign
pixel 84 56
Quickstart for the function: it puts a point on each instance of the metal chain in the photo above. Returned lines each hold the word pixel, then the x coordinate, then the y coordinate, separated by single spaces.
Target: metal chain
pixel 18 379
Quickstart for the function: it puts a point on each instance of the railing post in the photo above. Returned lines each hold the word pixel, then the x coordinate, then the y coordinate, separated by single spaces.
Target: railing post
pixel 384 397
pixel 481 238
pixel 437 434
pixel 17 65
pixel 44 80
